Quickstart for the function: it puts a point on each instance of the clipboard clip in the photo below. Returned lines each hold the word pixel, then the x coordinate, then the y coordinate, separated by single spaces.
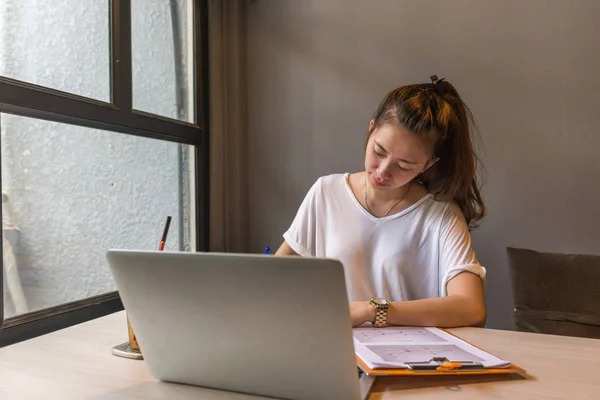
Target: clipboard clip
pixel 442 364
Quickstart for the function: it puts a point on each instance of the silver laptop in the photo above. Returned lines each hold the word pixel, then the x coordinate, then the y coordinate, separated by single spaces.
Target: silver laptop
pixel 257 324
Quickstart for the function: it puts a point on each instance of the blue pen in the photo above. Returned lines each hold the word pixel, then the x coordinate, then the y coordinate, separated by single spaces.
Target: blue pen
pixel 267 250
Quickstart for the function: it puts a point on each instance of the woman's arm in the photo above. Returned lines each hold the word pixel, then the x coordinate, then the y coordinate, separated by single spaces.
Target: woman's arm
pixel 463 306
pixel 285 250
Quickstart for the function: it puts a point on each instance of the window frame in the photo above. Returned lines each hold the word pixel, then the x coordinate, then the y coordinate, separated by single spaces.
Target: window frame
pixel 29 100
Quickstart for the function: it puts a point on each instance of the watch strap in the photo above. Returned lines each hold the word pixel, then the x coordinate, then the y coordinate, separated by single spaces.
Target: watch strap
pixel 381 311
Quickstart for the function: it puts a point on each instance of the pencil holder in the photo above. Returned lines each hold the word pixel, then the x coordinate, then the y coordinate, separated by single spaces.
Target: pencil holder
pixel 130 349
pixel 133 343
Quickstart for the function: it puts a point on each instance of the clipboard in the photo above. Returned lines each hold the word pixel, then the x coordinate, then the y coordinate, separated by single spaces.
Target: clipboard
pixel 463 370
pixel 440 366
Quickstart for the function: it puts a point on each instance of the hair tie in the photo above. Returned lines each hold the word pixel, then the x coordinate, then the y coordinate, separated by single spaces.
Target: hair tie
pixel 437 84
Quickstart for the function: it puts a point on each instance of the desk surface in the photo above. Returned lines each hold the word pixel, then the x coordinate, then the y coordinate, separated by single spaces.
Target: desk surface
pixel 76 363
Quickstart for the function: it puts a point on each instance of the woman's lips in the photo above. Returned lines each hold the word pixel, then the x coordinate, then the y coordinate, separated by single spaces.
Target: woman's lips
pixel 376 181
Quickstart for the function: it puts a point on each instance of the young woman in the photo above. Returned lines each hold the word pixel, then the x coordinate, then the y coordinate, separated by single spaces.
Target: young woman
pixel 401 226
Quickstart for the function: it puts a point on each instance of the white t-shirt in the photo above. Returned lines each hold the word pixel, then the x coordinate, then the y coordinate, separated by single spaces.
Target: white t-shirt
pixel 410 255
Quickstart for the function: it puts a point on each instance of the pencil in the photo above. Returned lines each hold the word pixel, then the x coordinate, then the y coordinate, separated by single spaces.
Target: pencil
pixel 161 246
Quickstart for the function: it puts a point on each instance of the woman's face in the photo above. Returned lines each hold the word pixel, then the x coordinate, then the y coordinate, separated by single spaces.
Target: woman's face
pixel 395 157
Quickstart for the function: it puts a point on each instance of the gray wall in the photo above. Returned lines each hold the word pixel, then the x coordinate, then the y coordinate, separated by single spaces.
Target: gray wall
pixel 528 70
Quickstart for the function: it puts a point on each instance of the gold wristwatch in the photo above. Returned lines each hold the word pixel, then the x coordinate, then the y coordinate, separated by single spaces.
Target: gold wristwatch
pixel 381 310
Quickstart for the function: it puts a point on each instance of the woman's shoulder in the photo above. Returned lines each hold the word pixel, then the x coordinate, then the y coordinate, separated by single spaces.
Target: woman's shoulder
pixel 335 178
pixel 449 215
pixel 325 186
pixel 330 182
pixel 440 209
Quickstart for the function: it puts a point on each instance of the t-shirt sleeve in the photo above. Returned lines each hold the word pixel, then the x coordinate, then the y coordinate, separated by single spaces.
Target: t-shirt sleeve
pixel 301 235
pixel 456 252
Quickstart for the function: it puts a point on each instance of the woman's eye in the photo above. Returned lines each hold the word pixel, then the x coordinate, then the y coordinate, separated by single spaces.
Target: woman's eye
pixel 379 155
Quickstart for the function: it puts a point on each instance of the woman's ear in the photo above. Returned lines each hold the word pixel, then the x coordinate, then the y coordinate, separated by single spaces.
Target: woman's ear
pixel 371 123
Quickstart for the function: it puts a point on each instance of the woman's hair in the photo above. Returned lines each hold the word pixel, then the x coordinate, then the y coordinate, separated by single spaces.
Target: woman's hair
pixel 436 112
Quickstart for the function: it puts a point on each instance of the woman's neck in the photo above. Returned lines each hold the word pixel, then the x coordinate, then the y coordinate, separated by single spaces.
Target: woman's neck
pixel 381 196
pixel 382 208
pixel 387 196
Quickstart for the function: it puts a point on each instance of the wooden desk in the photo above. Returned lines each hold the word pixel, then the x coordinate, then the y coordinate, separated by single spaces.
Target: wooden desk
pixel 76 363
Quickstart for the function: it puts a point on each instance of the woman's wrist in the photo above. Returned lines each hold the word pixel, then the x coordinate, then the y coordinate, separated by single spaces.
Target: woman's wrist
pixel 368 312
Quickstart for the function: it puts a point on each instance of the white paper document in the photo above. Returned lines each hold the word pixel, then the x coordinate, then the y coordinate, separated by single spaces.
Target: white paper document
pixel 394 347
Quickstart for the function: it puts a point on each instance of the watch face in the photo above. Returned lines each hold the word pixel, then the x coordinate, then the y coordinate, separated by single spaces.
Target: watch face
pixel 379 301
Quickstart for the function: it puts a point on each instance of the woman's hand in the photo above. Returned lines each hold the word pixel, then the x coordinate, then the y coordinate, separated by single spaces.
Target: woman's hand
pixel 361 312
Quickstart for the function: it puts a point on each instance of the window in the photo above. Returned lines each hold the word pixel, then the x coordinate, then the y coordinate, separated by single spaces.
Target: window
pixel 162 57
pixel 102 136
pixel 64 45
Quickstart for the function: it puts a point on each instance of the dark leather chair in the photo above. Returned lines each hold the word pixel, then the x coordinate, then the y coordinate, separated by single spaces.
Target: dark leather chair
pixel 556 293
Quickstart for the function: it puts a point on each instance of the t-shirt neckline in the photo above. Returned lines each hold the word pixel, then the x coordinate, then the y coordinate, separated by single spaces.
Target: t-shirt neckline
pixel 380 219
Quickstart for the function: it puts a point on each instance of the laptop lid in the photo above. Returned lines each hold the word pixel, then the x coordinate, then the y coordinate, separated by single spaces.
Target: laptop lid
pixel 258 324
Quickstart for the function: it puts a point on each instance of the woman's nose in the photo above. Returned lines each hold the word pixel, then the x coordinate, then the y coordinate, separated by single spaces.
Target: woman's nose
pixel 384 170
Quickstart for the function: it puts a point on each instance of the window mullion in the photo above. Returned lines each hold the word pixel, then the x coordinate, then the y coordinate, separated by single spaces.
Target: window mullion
pixel 121 55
